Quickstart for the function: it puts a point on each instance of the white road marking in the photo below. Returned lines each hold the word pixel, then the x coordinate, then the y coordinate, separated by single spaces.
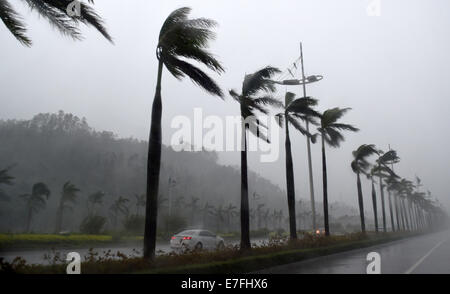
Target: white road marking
pixel 411 269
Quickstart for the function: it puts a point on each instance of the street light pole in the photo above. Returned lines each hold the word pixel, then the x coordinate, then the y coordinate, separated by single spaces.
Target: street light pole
pixel 308 146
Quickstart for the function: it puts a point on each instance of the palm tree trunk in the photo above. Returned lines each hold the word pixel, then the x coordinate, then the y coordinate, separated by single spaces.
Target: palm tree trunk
pixel 311 179
pixel 374 203
pixel 382 204
pixel 360 203
pixel 245 218
pixel 397 216
pixel 290 186
pixel 325 189
pixel 391 211
pixel 153 169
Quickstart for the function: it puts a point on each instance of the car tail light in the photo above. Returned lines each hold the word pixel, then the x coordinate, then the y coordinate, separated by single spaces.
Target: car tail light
pixel 187 238
pixel 173 237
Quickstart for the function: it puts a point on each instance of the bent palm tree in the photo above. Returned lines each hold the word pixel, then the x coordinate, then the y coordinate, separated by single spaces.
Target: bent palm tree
pixel 93 200
pixel 383 171
pixel 35 201
pixel 294 111
pixel 360 165
pixel 250 102
pixel 118 207
pixel 56 13
pixel 179 38
pixel 330 133
pixel 5 179
pixel 69 195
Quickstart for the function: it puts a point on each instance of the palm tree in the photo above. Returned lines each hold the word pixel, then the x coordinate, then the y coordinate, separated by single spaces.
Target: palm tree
pixel 185 38
pixel 55 12
pixel 383 171
pixel 193 205
pixel 118 207
pixel 360 165
pixel 230 212
pixel 330 132
pixel 68 195
pixel 35 201
pixel 5 179
pixel 250 102
pixel 294 111
pixel 205 210
pixel 140 202
pixel 259 214
pixel 93 200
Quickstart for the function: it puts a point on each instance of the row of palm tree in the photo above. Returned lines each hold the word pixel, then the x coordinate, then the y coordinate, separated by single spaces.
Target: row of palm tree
pixel 182 39
pixel 412 210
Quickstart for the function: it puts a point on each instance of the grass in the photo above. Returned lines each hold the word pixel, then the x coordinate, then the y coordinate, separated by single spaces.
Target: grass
pixel 230 260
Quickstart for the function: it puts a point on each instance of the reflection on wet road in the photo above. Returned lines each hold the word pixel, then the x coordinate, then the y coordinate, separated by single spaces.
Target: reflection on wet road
pixel 427 254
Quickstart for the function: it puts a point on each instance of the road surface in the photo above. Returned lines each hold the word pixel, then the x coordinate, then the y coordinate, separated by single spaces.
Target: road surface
pixel 426 254
pixel 37 256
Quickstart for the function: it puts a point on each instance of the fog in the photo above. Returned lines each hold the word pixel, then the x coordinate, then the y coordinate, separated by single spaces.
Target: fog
pixel 391 69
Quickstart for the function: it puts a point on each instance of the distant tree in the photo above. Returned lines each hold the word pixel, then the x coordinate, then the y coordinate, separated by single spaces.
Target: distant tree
pixel 140 202
pixel 93 201
pixel 5 179
pixel 180 38
pixel 119 207
pixel 259 212
pixel 360 165
pixel 330 133
pixel 193 205
pixel 230 213
pixel 255 96
pixel 35 201
pixel 68 196
pixel 55 12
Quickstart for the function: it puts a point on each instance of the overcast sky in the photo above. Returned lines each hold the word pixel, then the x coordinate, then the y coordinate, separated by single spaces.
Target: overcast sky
pixel 391 69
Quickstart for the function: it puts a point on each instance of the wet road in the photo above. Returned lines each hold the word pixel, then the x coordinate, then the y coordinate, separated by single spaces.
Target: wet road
pixel 38 256
pixel 428 254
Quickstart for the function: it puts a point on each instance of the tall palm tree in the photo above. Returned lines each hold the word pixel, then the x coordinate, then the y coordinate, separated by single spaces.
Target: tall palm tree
pixel 383 172
pixel 330 132
pixel 35 201
pixel 250 102
pixel 55 12
pixel 180 38
pixel 360 165
pixel 5 179
pixel 295 110
pixel 69 195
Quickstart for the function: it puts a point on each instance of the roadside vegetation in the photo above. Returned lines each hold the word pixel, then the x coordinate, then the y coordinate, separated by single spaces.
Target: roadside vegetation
pixel 276 251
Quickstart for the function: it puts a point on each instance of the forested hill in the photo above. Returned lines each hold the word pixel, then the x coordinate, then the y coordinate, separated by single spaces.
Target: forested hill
pixel 56 148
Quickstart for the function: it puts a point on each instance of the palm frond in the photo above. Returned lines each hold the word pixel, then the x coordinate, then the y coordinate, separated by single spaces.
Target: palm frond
pixel 259 81
pixel 180 68
pixel 57 18
pixel 14 23
pixel 56 11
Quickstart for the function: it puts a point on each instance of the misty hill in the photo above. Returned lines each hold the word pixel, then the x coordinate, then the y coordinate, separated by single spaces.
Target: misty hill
pixel 56 148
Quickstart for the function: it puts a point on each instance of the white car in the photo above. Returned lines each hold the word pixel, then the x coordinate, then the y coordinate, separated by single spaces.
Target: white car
pixel 196 240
